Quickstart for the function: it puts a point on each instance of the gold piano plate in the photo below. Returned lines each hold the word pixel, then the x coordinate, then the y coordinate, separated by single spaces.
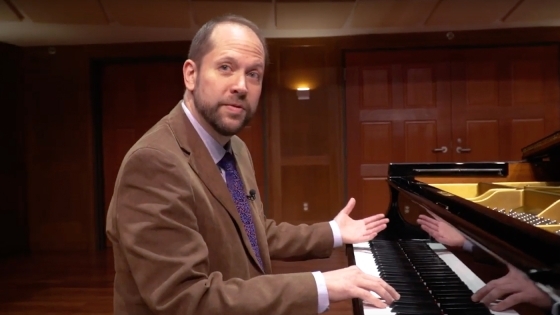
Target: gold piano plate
pixel 468 190
pixel 536 203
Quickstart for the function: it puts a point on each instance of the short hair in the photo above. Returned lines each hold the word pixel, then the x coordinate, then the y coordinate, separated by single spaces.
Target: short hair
pixel 201 44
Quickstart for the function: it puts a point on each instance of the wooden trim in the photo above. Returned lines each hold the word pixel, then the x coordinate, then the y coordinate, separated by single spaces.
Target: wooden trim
pixel 273 119
pixel 436 39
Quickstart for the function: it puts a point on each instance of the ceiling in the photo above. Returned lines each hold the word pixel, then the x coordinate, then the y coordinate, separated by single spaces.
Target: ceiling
pixel 74 22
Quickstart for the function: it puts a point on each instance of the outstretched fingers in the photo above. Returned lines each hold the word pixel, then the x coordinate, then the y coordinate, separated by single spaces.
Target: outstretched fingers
pixel 377 224
pixel 374 218
pixel 427 222
pixel 433 232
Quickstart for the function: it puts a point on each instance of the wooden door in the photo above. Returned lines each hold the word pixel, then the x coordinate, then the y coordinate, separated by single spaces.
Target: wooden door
pixel 502 100
pixel 483 104
pixel 398 110
pixel 137 95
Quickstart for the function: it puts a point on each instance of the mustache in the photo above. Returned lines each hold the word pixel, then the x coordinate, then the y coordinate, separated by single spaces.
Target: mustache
pixel 237 102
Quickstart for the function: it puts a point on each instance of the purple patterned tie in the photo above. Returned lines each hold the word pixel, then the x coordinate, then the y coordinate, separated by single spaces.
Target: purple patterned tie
pixel 237 190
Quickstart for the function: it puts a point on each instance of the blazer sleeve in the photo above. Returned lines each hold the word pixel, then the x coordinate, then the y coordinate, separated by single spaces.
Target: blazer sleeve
pixel 168 258
pixel 299 242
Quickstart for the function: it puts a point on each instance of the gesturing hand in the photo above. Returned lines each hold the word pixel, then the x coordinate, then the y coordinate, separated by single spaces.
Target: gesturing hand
pixel 357 231
pixel 441 231
pixel 517 287
pixel 352 282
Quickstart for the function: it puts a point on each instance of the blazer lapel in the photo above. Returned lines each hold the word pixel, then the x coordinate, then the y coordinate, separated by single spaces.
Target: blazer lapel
pixel 202 163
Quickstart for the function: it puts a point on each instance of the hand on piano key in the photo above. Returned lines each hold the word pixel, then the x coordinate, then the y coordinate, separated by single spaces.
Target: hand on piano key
pixel 351 282
pixel 451 282
pixel 356 231
pixel 516 287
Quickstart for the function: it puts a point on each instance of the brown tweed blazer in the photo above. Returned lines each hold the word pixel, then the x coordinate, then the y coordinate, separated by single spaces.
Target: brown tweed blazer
pixel 179 243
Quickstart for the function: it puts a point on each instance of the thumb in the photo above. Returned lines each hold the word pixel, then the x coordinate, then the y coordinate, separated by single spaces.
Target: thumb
pixel 349 206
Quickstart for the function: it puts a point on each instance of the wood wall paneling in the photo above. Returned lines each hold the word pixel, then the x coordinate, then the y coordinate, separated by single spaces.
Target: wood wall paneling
pixel 60 159
pixel 482 104
pixel 134 96
pixel 13 227
pixel 494 90
pixel 307 172
pixel 62 181
pixel 397 111
pixel 59 150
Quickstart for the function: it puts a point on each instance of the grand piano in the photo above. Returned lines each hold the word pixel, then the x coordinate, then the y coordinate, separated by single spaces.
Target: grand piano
pixel 510 211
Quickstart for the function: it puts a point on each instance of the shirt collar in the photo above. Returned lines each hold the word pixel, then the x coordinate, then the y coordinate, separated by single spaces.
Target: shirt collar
pixel 216 150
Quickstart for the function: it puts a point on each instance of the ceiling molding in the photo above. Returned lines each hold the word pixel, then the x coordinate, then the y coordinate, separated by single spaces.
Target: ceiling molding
pixel 79 22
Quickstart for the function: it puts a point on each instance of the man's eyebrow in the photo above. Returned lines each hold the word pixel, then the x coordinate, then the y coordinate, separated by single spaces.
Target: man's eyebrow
pixel 226 58
pixel 257 65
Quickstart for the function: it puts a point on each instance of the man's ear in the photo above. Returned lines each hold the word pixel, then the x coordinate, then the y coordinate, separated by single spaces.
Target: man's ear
pixel 189 74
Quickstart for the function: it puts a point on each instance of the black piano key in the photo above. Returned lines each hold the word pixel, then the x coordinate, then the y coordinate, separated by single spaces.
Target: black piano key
pixel 451 294
pixel 417 302
pixel 451 288
pixel 416 309
pixel 427 285
pixel 469 312
pixel 444 299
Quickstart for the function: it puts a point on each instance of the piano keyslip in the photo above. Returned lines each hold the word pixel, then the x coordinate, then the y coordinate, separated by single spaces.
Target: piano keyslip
pixel 430 279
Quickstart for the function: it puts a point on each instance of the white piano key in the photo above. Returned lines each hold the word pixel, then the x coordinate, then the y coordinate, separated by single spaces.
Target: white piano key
pixel 366 263
pixel 371 310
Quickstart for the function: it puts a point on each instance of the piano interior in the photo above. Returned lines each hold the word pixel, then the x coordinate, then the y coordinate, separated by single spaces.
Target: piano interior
pixel 536 203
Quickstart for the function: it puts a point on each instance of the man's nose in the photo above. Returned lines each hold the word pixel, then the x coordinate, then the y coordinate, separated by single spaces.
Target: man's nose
pixel 240 85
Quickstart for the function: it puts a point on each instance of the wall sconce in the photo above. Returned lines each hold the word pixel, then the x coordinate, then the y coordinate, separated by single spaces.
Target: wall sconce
pixel 302 93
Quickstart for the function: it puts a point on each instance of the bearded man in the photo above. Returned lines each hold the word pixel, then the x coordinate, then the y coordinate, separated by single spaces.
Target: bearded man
pixel 186 220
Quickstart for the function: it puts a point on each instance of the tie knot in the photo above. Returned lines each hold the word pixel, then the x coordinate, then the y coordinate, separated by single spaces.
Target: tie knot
pixel 227 162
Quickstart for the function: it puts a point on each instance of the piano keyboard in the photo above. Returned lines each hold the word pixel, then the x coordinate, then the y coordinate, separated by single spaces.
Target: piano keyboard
pixel 425 265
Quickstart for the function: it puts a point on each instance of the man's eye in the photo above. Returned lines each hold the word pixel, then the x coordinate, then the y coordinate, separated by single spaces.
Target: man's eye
pixel 224 67
pixel 254 75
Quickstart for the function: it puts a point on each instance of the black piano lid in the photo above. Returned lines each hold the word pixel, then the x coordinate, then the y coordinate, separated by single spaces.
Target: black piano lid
pixel 442 169
pixel 529 248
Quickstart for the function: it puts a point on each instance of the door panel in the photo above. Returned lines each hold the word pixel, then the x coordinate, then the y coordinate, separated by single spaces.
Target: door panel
pixel 481 142
pixel 398 111
pixel 497 93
